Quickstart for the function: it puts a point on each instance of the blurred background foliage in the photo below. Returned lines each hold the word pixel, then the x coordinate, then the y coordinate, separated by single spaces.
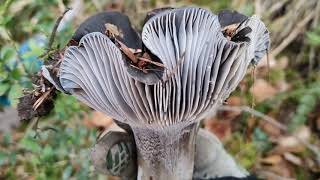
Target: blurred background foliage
pixel 286 88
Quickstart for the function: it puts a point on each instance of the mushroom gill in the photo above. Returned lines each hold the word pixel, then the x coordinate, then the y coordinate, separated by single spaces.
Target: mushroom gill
pixel 201 68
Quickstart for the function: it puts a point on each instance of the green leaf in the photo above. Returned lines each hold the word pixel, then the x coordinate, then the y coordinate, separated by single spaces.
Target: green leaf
pixel 261 140
pixel 31 66
pixel 67 173
pixel 3 75
pixel 7 53
pixel 30 144
pixel 313 38
pixel 4 88
pixel 3 157
pixel 14 94
pixel 15 74
pixel 34 160
pixel 12 158
pixel 36 50
pixel 47 154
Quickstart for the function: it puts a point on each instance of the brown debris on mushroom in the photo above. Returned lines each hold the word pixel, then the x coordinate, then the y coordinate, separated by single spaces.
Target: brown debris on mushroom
pixel 40 101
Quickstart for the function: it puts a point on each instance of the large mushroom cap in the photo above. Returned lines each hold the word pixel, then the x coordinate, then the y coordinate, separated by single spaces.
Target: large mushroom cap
pixel 202 67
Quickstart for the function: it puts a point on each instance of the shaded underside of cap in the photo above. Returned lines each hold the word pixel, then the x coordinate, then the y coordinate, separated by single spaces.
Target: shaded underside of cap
pixel 202 69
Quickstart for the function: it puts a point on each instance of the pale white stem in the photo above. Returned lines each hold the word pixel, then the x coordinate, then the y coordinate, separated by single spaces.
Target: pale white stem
pixel 165 154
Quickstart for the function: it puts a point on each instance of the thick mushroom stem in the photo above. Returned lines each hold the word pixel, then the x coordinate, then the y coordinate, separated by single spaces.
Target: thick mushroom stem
pixel 165 153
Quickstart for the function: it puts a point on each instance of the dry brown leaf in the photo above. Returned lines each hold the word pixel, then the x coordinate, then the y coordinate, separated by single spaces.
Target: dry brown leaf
pixel 282 62
pixel 264 62
pixel 231 101
pixel 272 159
pixel 251 122
pixel 282 86
pixel 283 169
pixel 113 127
pixel 127 52
pixel 270 129
pixel 292 158
pixel 281 149
pixel 262 90
pixel 41 99
pixel 152 62
pixel 280 169
pixel 234 101
pixel 113 29
pixel 221 128
pixel 98 120
pixel 302 133
pixel 290 143
pixel 311 164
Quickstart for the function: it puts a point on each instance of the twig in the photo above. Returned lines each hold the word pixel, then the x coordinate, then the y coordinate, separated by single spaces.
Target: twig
pixel 268 66
pixel 151 62
pixel 277 6
pixel 258 8
pixel 253 75
pixel 312 53
pixel 127 52
pixel 32 126
pixel 255 113
pixel 53 33
pixel 19 58
pixel 297 30
pixel 314 149
pixel 41 99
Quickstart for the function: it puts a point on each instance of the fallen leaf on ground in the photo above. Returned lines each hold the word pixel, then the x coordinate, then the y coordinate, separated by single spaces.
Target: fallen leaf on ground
pixel 270 129
pixel 292 158
pixel 272 159
pixel 264 62
pixel 302 133
pixel 262 90
pixel 221 128
pixel 98 120
pixel 283 169
pixel 232 101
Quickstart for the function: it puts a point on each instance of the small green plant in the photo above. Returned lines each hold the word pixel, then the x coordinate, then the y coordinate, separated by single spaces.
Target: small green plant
pixel 313 37
pixel 306 104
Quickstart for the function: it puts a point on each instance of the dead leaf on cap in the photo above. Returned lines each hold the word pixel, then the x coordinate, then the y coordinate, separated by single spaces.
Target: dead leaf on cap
pixel 111 28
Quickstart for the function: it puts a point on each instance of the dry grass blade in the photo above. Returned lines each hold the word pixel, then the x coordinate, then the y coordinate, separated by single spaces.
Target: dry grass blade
pixel 143 70
pixel 255 113
pixel 292 36
pixel 151 62
pixel 127 52
pixel 41 99
pixel 53 33
pixel 174 70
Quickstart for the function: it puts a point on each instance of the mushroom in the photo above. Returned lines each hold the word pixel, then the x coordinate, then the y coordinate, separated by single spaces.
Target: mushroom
pixel 163 106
